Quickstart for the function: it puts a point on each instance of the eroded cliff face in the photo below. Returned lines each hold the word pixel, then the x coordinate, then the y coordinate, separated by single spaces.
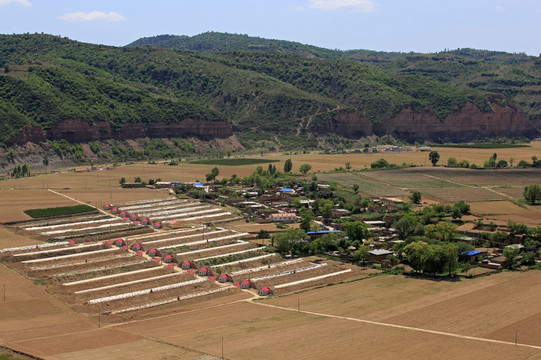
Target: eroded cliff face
pixel 350 124
pixel 80 131
pixel 463 124
pixel 29 134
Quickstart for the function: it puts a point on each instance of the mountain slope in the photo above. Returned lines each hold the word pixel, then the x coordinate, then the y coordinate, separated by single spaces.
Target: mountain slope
pixel 515 76
pixel 55 88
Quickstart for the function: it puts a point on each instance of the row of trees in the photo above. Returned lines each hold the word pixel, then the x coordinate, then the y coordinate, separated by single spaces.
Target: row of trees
pixel 20 171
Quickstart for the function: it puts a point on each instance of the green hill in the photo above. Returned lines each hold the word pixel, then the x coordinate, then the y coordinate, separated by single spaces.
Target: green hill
pixel 515 76
pixel 62 89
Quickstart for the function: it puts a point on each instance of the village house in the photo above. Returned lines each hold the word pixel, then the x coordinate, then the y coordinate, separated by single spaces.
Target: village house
pixel 283 217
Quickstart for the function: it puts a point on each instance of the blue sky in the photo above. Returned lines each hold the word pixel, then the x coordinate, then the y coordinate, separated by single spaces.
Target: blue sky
pixel 385 25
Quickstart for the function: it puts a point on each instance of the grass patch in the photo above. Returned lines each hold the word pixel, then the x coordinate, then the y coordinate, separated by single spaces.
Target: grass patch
pixel 233 162
pixel 482 146
pixel 57 211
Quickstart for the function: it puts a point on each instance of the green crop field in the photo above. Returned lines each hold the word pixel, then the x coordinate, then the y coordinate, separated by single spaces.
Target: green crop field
pixel 64 210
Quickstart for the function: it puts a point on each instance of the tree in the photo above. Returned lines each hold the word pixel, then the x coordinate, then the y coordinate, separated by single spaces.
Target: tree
pixel 355 188
pixel 380 164
pixel 452 162
pixel 290 241
pixel 462 206
pixel 434 157
pixel 228 154
pixel 271 170
pixel 532 193
pixel 122 181
pixel 416 197
pixel 456 213
pixel 288 165
pixel 306 220
pixel 215 171
pixel 26 170
pixel 356 230
pixel 443 230
pixel 348 166
pixel 6 68
pixel 137 179
pixel 304 168
pixel 362 253
pixel 325 208
pixel 415 253
pixel 511 252
pixel 408 226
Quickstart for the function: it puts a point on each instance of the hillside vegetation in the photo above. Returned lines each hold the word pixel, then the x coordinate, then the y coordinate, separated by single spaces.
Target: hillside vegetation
pixel 286 90
pixel 516 76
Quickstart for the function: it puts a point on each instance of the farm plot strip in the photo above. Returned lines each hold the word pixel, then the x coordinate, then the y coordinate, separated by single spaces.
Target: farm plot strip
pixel 181 215
pixel 145 291
pixel 33 247
pixel 244 260
pixel 204 241
pixel 93 260
pixel 158 234
pixel 396 326
pixel 229 254
pixel 112 276
pixel 93 270
pixel 265 267
pixel 207 216
pixel 238 243
pixel 71 255
pixel 172 209
pixel 289 272
pixel 183 237
pixel 127 283
pixel 173 300
pixel 109 226
pixel 311 279
pixel 145 205
pixel 36 228
pixel 64 220
pixel 71 248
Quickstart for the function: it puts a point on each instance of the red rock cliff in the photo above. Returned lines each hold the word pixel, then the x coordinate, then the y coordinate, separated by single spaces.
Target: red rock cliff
pixel 463 124
pixel 77 130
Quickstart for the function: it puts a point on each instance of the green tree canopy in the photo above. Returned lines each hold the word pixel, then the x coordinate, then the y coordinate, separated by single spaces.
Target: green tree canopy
pixel 434 157
pixel 356 230
pixel 532 193
pixel 304 168
pixel 288 165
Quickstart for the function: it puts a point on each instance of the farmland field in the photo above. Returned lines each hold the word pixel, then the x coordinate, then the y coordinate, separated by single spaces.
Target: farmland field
pixel 359 316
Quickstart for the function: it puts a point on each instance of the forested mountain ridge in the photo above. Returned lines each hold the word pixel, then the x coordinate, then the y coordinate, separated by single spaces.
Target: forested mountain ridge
pixel 55 88
pixel 516 76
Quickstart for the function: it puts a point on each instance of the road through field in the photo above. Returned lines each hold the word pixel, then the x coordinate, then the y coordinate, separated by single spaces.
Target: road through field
pixel 410 328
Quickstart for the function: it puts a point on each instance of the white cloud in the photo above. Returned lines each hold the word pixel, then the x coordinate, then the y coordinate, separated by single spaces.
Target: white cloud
pixel 356 5
pixel 25 3
pixel 500 8
pixel 92 16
